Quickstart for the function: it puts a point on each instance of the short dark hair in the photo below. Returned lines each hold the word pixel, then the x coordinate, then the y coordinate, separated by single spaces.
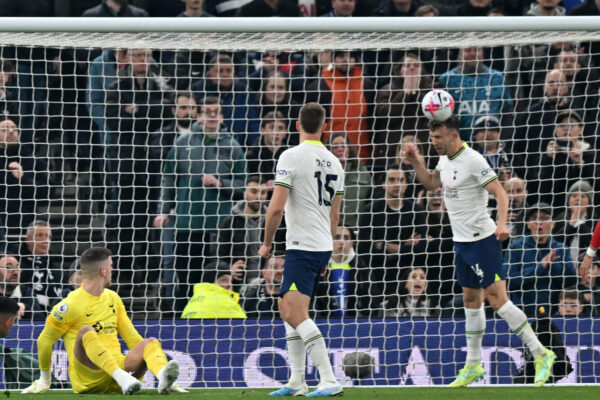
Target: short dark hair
pixel 210 100
pixel 571 295
pixel 177 95
pixel 6 66
pixel 452 124
pixel 8 307
pixel 88 262
pixel 272 117
pixel 395 167
pixel 220 59
pixel 312 117
pixel 254 179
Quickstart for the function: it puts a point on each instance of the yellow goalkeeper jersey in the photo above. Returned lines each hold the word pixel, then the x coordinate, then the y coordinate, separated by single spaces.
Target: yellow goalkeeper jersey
pixel 105 313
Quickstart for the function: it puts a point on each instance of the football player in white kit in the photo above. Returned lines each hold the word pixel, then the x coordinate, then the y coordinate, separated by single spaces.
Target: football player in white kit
pixel 466 179
pixel 309 185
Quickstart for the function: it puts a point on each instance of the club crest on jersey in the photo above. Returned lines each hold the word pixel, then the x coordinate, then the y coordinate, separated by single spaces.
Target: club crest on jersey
pixel 62 308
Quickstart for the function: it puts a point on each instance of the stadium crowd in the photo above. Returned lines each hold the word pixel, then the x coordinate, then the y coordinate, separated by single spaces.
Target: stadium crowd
pixel 179 151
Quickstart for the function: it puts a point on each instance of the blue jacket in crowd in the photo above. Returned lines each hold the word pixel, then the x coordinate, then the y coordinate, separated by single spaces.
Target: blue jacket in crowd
pixel 529 283
pixel 484 93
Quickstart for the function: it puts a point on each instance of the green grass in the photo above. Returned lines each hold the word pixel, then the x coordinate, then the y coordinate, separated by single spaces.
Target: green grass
pixel 490 393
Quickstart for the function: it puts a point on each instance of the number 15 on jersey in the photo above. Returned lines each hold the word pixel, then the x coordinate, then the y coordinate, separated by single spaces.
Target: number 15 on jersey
pixel 327 186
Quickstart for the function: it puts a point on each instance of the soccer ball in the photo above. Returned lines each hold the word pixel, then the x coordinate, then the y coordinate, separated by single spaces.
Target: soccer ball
pixel 438 105
pixel 358 365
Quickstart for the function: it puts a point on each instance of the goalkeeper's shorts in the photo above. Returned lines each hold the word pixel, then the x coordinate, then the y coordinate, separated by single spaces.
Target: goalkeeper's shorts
pixel 479 264
pixel 87 380
pixel 302 271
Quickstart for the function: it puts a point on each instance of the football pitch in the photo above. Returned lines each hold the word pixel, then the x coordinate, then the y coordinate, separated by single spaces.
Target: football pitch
pixel 489 393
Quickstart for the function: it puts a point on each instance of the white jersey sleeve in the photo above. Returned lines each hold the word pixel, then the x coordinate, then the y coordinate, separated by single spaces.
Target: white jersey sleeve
pixel 481 170
pixel 285 169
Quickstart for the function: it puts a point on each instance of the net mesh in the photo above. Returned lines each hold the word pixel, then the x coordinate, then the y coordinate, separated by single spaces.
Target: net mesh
pixel 165 152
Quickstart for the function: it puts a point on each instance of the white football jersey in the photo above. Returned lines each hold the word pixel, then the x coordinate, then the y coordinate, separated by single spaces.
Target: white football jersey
pixel 464 177
pixel 314 176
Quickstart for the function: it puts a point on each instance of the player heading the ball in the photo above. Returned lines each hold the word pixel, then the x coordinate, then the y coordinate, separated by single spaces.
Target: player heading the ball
pixel 309 186
pixel 466 179
pixel 88 320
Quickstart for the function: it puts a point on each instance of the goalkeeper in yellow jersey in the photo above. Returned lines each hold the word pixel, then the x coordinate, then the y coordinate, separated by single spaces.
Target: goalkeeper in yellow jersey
pixel 88 320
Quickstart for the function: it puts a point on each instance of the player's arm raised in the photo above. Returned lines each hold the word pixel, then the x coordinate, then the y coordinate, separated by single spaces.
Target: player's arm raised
pixel 496 189
pixel 429 179
pixel 273 218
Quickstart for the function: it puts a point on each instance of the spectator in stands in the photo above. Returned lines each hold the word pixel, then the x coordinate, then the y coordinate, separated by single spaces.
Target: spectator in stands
pixel 9 105
pixel 239 236
pixel 204 173
pixel 103 72
pixel 517 205
pixel 216 299
pixel 535 126
pixel 239 109
pixel 567 159
pixel 341 8
pixel 348 96
pixel 546 8
pixel 23 181
pixel 40 278
pixel 185 112
pixel 486 140
pixel 575 226
pixel 344 287
pixel 392 233
pixel 9 283
pixel 537 266
pixel 440 256
pixel 474 8
pixel 398 107
pixel 115 8
pixel 589 287
pixel 33 8
pixel 427 10
pixel 590 7
pixel 477 89
pixel 194 9
pixel 570 304
pixel 357 179
pixel 414 186
pixel 396 8
pixel 137 105
pixel 262 65
pixel 275 95
pixel 263 155
pixel 259 297
pixel 269 8
pixel 412 299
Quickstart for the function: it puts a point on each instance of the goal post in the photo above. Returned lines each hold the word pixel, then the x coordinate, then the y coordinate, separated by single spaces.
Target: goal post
pixel 158 138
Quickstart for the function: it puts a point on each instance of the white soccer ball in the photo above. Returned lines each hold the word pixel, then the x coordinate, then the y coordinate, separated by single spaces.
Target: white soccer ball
pixel 438 105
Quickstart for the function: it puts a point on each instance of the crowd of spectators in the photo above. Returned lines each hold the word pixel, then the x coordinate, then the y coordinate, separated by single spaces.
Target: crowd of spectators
pixel 182 148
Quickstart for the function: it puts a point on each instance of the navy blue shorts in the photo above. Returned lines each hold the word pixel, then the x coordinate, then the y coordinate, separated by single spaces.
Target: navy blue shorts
pixel 302 271
pixel 479 264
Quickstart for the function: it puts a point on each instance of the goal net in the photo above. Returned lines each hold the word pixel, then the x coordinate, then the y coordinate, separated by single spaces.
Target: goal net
pixel 162 146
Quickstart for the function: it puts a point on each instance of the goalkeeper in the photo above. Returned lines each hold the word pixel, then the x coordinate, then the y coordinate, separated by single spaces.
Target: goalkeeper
pixel 88 321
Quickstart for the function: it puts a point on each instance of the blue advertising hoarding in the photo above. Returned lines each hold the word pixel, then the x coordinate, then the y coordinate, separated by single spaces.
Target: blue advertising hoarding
pixel 223 353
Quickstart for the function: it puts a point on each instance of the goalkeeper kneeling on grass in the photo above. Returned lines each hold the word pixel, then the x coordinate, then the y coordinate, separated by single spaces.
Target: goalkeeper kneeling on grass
pixel 88 320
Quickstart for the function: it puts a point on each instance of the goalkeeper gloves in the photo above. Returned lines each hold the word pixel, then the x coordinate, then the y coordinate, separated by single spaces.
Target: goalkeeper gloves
pixel 41 385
